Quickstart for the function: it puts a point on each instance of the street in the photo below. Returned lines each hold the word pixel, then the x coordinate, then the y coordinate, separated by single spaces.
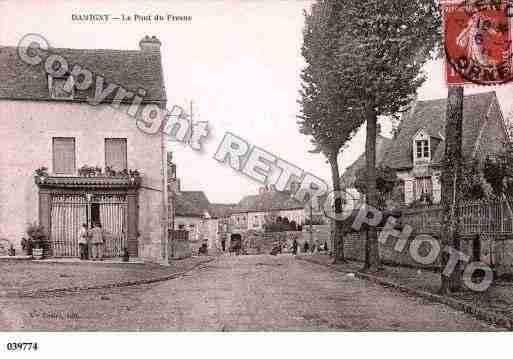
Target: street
pixel 239 293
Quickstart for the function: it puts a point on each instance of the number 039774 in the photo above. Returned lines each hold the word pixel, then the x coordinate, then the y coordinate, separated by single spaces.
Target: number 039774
pixel 18 346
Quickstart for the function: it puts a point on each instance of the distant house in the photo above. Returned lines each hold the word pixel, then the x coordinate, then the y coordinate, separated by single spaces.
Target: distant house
pixel 221 212
pixel 253 211
pixel 417 151
pixel 191 214
pixel 45 126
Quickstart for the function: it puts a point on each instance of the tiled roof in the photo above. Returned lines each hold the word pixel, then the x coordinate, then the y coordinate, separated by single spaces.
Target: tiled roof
pixel 268 201
pixel 349 176
pixel 130 69
pixel 220 210
pixel 191 204
pixel 430 116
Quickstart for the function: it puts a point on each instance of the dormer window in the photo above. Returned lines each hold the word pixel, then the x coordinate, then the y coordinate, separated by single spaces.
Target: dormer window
pixel 421 147
pixel 61 88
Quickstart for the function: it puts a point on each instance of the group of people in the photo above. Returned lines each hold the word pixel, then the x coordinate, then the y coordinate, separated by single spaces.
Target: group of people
pixel 307 247
pixel 91 242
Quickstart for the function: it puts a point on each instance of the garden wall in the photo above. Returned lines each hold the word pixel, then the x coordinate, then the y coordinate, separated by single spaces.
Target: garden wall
pixel 354 248
pixel 496 251
pixel 180 249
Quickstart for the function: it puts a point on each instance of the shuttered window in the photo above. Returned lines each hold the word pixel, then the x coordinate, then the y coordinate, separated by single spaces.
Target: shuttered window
pixel 63 155
pixel 115 153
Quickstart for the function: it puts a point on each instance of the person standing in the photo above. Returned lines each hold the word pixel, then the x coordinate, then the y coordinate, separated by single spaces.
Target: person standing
pixel 82 242
pixel 97 241
pixel 294 247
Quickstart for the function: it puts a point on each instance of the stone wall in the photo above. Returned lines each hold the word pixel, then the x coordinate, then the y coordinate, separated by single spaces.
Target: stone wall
pixel 501 252
pixel 391 250
pixel 496 251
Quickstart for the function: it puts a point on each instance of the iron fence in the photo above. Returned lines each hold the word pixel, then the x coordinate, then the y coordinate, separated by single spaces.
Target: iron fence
pixel 476 217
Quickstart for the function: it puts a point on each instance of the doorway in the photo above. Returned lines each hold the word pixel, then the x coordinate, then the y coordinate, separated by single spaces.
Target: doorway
pixel 95 214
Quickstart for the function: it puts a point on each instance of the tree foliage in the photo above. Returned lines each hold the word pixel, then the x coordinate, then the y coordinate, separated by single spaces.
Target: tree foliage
pixel 386 180
pixel 326 115
pixel 472 184
pixel 498 172
pixel 382 48
pixel 364 60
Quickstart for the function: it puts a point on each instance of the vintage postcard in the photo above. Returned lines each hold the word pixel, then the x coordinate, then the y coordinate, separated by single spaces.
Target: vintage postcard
pixel 254 166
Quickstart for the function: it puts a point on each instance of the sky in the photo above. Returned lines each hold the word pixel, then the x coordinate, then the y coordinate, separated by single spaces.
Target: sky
pixel 237 61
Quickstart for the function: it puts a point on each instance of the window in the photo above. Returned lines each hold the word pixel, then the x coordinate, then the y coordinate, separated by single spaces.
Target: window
pixel 423 189
pixel 422 148
pixel 63 149
pixel 115 153
pixel 61 88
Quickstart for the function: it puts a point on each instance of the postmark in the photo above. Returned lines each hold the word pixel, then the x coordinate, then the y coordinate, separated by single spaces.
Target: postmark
pixel 477 41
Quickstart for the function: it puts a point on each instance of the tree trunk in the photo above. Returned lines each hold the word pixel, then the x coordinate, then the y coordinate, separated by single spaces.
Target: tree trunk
pixel 338 236
pixel 371 243
pixel 451 180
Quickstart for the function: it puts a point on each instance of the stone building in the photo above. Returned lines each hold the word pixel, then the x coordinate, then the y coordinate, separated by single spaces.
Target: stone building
pixel 221 213
pixel 192 214
pixel 417 150
pixel 95 164
pixel 252 211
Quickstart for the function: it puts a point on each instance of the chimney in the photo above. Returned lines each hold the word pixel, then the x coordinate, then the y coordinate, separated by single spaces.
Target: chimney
pixel 150 43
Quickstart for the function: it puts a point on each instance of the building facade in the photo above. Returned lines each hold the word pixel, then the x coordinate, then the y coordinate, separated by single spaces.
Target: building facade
pixel 93 162
pixel 192 214
pixel 254 212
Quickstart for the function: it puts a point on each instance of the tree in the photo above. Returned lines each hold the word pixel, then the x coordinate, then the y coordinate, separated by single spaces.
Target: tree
pixel 383 45
pixel 463 180
pixel 498 172
pixel 472 181
pixel 326 115
pixel 386 182
pixel 451 179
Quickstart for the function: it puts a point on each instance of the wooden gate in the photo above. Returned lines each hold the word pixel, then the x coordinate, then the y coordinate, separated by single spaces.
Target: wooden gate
pixel 70 211
pixel 113 218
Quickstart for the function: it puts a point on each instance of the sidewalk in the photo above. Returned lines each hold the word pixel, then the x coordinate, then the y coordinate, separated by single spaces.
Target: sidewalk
pixel 35 278
pixel 495 304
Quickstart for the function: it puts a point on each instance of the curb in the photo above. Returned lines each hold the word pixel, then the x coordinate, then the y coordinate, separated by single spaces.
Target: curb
pixel 485 315
pixel 57 291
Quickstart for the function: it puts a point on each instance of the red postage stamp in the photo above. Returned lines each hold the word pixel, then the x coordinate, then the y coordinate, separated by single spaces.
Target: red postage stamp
pixel 477 42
